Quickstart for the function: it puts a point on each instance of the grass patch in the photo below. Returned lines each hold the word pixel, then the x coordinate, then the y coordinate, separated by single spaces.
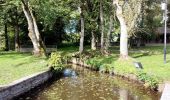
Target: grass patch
pixel 151 58
pixel 14 66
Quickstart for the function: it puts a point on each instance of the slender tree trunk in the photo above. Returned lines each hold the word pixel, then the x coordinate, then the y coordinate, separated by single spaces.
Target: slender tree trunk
pixel 16 28
pixel 93 41
pixel 82 35
pixel 110 30
pixel 82 31
pixel 123 31
pixel 17 43
pixel 6 34
pixel 109 33
pixel 42 45
pixel 39 48
pixel 101 25
pixel 6 37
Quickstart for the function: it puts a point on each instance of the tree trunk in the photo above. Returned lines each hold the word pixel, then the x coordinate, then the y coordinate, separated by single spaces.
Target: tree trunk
pixel 93 41
pixel 16 28
pixel 6 34
pixel 82 31
pixel 6 38
pixel 34 34
pixel 101 25
pixel 109 33
pixel 42 45
pixel 123 31
pixel 17 43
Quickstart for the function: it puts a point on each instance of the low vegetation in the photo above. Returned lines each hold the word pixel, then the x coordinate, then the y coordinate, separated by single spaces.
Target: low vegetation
pixel 57 60
pixel 150 57
pixel 14 66
pixel 154 72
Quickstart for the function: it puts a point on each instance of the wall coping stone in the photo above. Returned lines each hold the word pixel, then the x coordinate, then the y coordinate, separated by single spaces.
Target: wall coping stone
pixel 22 85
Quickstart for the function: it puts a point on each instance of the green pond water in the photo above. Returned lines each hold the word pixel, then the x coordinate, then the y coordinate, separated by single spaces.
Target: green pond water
pixel 90 85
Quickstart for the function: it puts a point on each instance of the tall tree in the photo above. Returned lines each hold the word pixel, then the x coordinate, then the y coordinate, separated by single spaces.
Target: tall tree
pixel 92 21
pixel 123 31
pixel 14 22
pixel 6 33
pixel 16 27
pixel 110 27
pixel 81 47
pixel 128 20
pixel 38 45
pixel 101 26
pixel 109 32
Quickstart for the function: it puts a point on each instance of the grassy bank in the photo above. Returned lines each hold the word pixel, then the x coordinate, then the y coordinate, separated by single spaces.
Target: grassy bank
pixel 14 66
pixel 151 58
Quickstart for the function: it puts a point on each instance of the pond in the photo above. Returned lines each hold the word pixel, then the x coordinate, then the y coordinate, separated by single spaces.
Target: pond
pixel 90 85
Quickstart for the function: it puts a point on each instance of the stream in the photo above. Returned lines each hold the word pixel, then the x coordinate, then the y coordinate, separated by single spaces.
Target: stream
pixel 90 85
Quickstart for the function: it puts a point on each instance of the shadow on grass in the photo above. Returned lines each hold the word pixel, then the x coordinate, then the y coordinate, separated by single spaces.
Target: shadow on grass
pixel 109 60
pixel 141 55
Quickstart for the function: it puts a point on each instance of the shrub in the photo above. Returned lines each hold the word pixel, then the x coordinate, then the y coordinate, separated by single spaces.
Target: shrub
pixel 94 63
pixel 106 68
pixel 56 61
pixel 150 80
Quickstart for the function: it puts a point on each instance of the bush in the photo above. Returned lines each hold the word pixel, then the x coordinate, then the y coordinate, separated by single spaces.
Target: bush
pixel 106 68
pixel 94 63
pixel 56 61
pixel 150 80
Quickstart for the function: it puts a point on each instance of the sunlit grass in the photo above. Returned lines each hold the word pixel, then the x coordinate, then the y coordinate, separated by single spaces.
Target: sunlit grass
pixel 151 58
pixel 14 66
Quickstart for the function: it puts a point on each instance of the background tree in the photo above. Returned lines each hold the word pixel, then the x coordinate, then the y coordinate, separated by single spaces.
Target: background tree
pixel 81 10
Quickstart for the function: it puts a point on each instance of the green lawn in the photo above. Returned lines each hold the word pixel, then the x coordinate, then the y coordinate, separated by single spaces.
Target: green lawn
pixel 14 66
pixel 152 60
pixel 17 65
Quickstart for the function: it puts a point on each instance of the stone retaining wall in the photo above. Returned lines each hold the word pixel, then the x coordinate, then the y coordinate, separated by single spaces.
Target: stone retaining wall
pixel 23 85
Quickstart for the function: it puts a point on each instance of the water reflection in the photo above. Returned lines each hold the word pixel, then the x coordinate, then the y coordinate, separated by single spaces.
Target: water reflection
pixel 90 85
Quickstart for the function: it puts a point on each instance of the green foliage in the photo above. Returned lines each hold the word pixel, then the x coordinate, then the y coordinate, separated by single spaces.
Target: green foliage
pixel 113 64
pixel 56 61
pixel 94 63
pixel 124 67
pixel 150 80
pixel 106 68
pixel 72 37
pixel 59 60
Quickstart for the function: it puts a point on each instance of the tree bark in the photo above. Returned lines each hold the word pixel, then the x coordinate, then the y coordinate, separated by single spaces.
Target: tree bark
pixel 82 31
pixel 101 25
pixel 6 34
pixel 16 28
pixel 110 30
pixel 123 31
pixel 42 45
pixel 109 33
pixel 17 43
pixel 93 41
pixel 39 48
